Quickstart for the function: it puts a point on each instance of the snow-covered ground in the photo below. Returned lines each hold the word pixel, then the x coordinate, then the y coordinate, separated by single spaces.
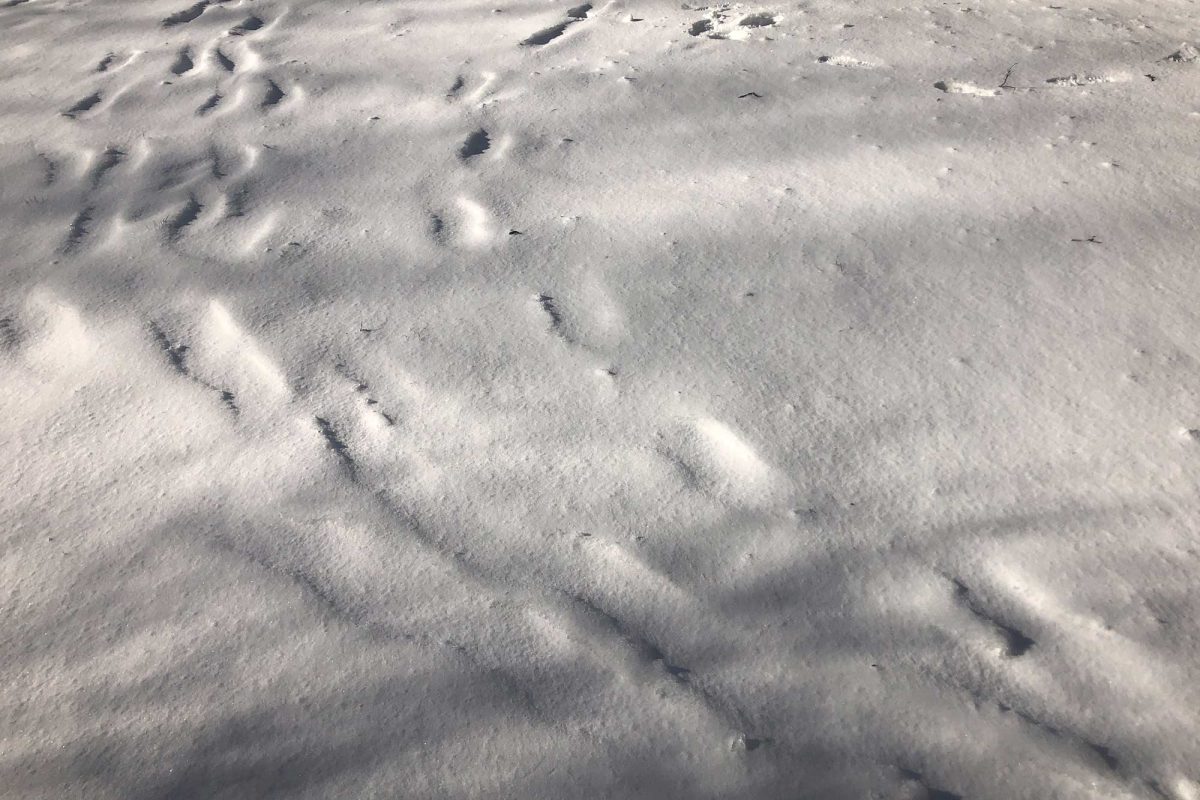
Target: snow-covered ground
pixel 489 399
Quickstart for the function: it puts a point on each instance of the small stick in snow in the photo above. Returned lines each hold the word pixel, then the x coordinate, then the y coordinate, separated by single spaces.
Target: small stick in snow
pixel 750 94
pixel 1007 75
pixel 1089 240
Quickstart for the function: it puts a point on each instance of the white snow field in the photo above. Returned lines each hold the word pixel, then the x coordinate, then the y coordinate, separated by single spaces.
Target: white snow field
pixel 489 399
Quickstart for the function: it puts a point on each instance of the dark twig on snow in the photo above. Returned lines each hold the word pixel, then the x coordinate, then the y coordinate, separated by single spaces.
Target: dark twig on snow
pixel 1007 75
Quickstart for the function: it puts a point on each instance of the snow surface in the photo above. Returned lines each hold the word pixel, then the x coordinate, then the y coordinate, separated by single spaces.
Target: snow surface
pixel 488 399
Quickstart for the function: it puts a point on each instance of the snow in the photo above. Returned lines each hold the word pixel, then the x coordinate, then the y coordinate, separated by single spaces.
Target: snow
pixel 446 398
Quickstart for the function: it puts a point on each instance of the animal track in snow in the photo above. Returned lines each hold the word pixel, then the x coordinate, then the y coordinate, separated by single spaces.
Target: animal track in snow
pixel 961 87
pixel 186 15
pixel 547 35
pixel 108 161
pixel 229 400
pixel 1016 643
pixel 79 230
pixel 10 334
pixel 336 445
pixel 247 62
pixel 1099 751
pixel 208 105
pixel 80 227
pixel 109 62
pixel 272 96
pixel 49 170
pixel 363 389
pixel 437 225
pixel 183 62
pixel 760 20
pixel 477 143
pixel 248 25
pixel 644 651
pixel 176 353
pixel 236 201
pixel 720 24
pixel 221 60
pixel 185 217
pixel 179 173
pixel 169 189
pixel 553 314
pixel 83 105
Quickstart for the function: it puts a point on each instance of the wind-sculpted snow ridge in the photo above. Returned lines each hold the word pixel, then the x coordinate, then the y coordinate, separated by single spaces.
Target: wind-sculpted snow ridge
pixel 558 400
